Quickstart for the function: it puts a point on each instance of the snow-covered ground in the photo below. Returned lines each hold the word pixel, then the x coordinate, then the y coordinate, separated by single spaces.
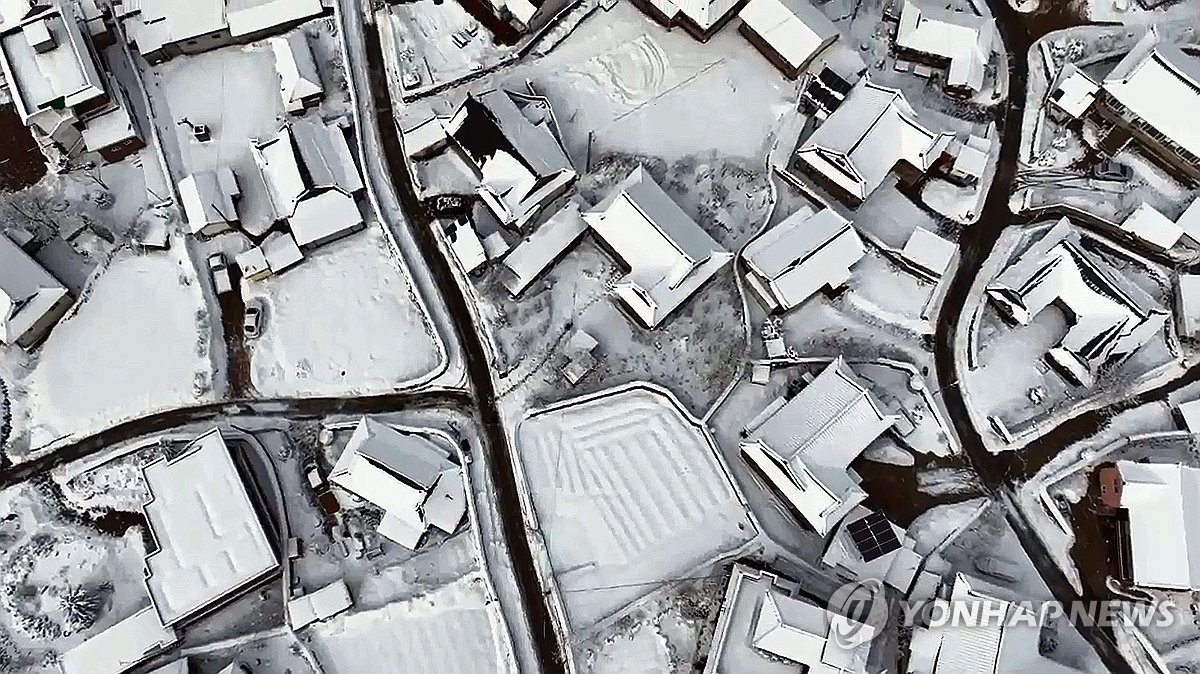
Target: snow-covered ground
pixel 419 41
pixel 344 322
pixel 454 629
pixel 627 493
pixel 137 342
pixel 60 580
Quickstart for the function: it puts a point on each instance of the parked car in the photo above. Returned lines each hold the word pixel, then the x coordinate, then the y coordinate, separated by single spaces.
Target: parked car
pixel 219 270
pixel 252 322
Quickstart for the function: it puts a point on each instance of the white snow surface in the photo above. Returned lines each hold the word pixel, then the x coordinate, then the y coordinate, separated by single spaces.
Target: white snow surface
pixel 628 493
pixel 454 629
pixel 136 343
pixel 344 322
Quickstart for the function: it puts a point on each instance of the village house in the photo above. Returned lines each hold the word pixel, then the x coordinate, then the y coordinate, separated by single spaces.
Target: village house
pixel 668 255
pixel 806 253
pixel 300 85
pixel 790 33
pixel 31 300
pixel 803 446
pixel 960 42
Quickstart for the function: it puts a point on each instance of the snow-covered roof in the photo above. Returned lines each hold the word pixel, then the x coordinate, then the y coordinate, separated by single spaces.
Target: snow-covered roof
pixel 965 40
pixel 1075 91
pixel 53 71
pixel 320 605
pixel 105 130
pixel 550 240
pixel 324 216
pixel 1189 304
pixel 303 157
pixel 1109 316
pixel 794 29
pixel 1163 501
pixel 251 17
pixel 281 252
pixel 120 647
pixel 298 76
pixel 210 539
pixel 27 292
pixel 971 160
pixel 874 129
pixel 798 631
pixel 1160 84
pixel 763 620
pixel 806 252
pixel 407 476
pixel 1148 224
pixel 703 13
pixel 1190 412
pixel 253 263
pixel 669 256
pixel 929 251
pixel 511 143
pixel 207 198
pixel 805 445
pixel 155 24
pixel 1189 221
pixel 466 245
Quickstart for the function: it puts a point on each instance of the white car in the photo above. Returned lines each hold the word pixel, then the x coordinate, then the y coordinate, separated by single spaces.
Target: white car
pixel 219 270
pixel 252 322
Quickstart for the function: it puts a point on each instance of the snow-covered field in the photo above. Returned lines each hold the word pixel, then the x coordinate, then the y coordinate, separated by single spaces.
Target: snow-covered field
pixel 454 629
pixel 345 321
pixel 60 581
pixel 138 342
pixel 628 493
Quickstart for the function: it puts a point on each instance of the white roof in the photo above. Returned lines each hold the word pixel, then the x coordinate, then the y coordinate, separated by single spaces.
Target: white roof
pixel 1150 225
pixel 1189 304
pixel 320 605
pixel 211 541
pixel 1075 92
pixel 798 631
pixel 303 157
pixel 120 647
pixel 531 257
pixel 669 256
pixel 1161 85
pixel 963 39
pixel 164 22
pixel 1109 316
pixel 252 262
pixel 509 140
pixel 27 291
pixel 298 76
pixel 1189 221
pixel 207 199
pixel 972 157
pixel 324 216
pixel 399 472
pixel 112 127
pixel 803 254
pixel 466 245
pixel 929 251
pixel 250 17
pixel 1190 411
pixel 63 76
pixel 795 29
pixel 1163 501
pixel 874 129
pixel 281 252
pixel 813 438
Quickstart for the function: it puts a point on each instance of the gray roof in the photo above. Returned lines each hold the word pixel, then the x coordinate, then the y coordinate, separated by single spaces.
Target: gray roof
pixel 27 291
pixel 535 145
pixel 1161 85
pixel 407 456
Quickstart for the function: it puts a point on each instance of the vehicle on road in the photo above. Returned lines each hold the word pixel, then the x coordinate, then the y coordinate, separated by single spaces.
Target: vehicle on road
pixel 252 322
pixel 219 269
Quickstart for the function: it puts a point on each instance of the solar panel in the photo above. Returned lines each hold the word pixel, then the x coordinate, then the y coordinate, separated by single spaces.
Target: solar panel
pixel 873 536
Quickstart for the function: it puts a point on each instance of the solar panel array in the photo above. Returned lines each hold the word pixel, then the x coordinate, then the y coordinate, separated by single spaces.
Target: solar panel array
pixel 873 536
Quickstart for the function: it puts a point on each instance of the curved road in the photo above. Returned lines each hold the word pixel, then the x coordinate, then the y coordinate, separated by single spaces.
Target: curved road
pixel 1000 472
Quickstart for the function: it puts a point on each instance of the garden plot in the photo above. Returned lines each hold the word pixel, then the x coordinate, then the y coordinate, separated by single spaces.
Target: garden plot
pixel 455 629
pixel 345 322
pixel 627 493
pixel 233 91
pixel 137 342
pixel 60 581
